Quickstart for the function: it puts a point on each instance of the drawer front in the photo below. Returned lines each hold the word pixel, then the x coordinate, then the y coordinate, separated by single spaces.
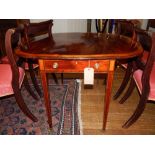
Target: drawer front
pixel 75 66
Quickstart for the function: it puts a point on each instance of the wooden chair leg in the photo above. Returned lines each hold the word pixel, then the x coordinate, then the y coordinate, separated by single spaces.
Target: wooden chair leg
pixel 128 92
pixel 22 105
pixel 124 82
pixel 139 110
pixel 55 78
pixel 62 77
pixel 28 88
pixel 33 78
pixel 105 80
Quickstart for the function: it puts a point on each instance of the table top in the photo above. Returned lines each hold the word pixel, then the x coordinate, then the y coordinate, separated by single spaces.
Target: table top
pixel 82 46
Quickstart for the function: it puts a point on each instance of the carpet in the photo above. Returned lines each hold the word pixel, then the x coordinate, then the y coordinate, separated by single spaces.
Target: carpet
pixel 65 112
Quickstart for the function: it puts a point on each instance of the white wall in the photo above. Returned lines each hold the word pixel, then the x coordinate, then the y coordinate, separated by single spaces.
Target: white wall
pixel 76 25
pixel 93 26
pixel 67 25
pixel 144 23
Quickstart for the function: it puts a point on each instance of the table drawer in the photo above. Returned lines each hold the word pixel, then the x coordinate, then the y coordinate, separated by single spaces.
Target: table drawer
pixel 75 66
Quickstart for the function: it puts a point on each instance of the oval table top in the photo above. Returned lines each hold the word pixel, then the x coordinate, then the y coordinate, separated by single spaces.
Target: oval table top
pixel 82 46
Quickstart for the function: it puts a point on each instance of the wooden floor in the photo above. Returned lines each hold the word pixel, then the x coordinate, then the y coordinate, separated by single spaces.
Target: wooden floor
pixel 92 104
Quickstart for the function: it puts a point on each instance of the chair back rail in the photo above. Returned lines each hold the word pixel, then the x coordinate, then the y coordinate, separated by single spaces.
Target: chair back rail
pixel 150 24
pixel 11 36
pixel 32 30
pixel 149 64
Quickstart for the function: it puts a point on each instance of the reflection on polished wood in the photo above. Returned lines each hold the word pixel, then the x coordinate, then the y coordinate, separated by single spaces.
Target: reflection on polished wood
pixel 72 52
pixel 82 46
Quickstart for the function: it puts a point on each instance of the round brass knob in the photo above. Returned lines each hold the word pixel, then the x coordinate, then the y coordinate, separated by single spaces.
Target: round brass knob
pixel 96 65
pixel 55 65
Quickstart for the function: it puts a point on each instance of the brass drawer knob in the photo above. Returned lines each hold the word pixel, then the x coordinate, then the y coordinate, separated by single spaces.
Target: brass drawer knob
pixel 96 65
pixel 55 65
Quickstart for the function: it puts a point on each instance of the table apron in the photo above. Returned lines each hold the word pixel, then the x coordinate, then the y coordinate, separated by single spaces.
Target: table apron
pixel 76 66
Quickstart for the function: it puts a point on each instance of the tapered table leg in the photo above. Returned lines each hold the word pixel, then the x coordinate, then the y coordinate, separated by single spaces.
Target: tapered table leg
pixel 43 76
pixel 108 92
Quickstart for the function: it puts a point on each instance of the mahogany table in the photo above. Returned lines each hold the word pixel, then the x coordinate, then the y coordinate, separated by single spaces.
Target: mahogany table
pixel 72 52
